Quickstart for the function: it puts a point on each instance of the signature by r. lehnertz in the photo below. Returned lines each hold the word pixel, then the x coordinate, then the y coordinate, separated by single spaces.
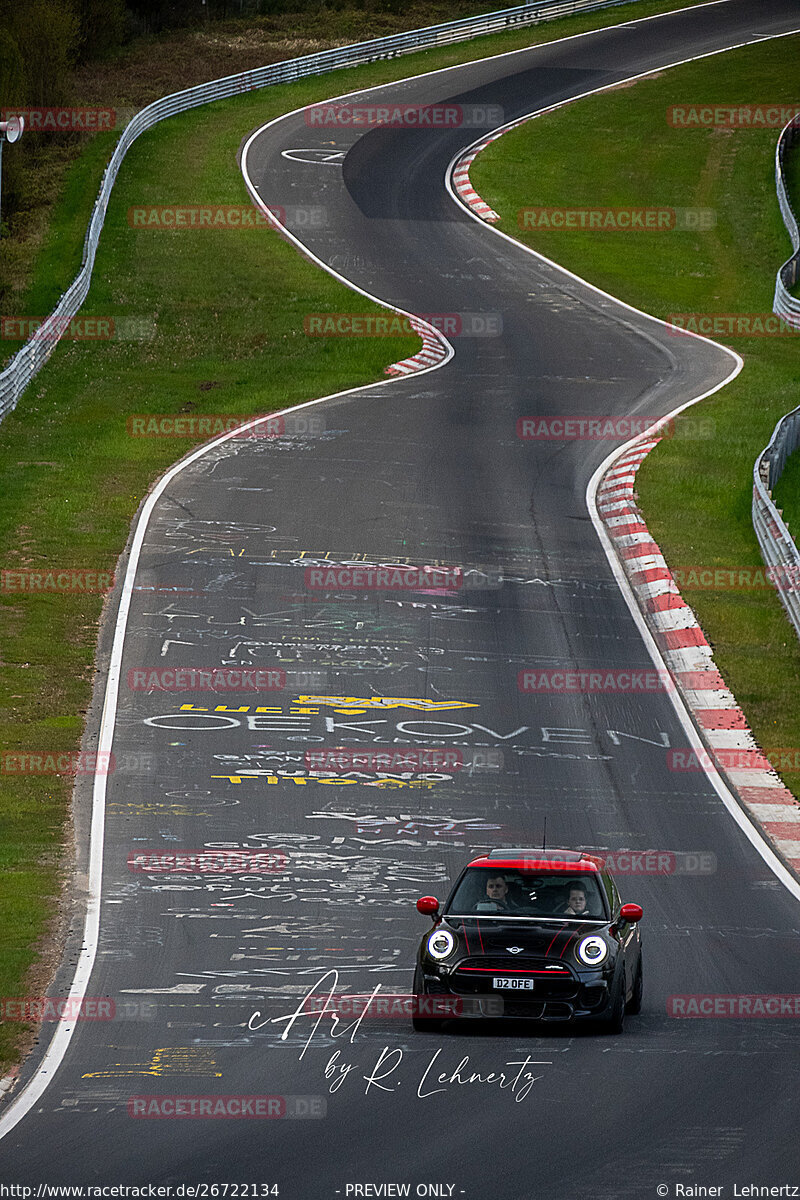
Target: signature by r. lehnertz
pixel 516 1077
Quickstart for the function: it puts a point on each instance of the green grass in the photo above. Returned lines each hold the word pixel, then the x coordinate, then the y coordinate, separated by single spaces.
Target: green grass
pixel 695 493
pixel 64 179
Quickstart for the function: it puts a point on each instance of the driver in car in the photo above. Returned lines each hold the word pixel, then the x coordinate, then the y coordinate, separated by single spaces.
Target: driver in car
pixel 497 891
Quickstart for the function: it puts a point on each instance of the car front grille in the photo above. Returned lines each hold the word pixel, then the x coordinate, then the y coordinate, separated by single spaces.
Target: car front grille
pixel 473 977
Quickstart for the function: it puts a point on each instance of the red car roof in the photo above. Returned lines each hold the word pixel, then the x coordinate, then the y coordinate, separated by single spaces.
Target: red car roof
pixel 547 860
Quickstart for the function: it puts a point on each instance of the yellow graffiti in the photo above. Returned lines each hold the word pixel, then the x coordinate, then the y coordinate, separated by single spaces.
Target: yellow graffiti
pixel 301 780
pixel 355 704
pixel 169 1060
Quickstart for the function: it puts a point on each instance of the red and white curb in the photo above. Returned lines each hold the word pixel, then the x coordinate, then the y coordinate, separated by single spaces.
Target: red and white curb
pixel 465 189
pixel 461 180
pixel 433 351
pixel 690 660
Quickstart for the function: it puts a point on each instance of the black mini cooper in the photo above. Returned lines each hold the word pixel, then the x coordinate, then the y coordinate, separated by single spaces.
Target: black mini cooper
pixel 530 934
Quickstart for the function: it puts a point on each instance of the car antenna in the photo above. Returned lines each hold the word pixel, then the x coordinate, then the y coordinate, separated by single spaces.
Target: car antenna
pixel 544 834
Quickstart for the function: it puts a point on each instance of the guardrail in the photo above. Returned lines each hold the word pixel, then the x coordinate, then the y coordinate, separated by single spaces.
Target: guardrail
pixel 786 305
pixel 36 351
pixel 777 545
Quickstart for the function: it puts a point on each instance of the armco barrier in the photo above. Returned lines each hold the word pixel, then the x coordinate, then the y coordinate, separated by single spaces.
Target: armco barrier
pixel 777 545
pixel 34 354
pixel 786 305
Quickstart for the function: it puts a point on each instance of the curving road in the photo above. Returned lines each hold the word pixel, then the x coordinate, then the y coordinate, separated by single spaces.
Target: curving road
pixel 426 469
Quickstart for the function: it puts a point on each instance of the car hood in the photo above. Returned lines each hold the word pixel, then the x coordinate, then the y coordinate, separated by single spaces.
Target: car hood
pixel 492 936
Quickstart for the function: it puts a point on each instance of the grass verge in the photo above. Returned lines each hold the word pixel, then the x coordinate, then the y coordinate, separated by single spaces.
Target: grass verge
pixel 696 495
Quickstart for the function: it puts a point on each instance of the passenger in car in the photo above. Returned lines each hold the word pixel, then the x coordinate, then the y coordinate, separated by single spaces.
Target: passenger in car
pixel 577 903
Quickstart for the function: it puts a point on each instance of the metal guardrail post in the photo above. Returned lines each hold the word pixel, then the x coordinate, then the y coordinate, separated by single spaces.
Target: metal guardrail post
pixel 786 305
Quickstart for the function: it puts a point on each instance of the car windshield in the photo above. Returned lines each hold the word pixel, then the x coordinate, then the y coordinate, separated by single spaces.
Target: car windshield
pixel 516 892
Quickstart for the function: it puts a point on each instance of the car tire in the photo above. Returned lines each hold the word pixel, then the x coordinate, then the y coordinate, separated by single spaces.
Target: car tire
pixel 635 1002
pixel 423 1024
pixel 614 1020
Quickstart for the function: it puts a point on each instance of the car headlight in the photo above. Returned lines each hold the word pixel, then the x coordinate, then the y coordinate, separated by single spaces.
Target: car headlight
pixel 441 943
pixel 592 951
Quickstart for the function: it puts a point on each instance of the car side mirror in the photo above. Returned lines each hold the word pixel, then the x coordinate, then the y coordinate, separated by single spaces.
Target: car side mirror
pixel 428 906
pixel 631 912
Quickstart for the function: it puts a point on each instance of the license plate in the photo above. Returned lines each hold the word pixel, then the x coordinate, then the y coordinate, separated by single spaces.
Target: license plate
pixel 509 983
